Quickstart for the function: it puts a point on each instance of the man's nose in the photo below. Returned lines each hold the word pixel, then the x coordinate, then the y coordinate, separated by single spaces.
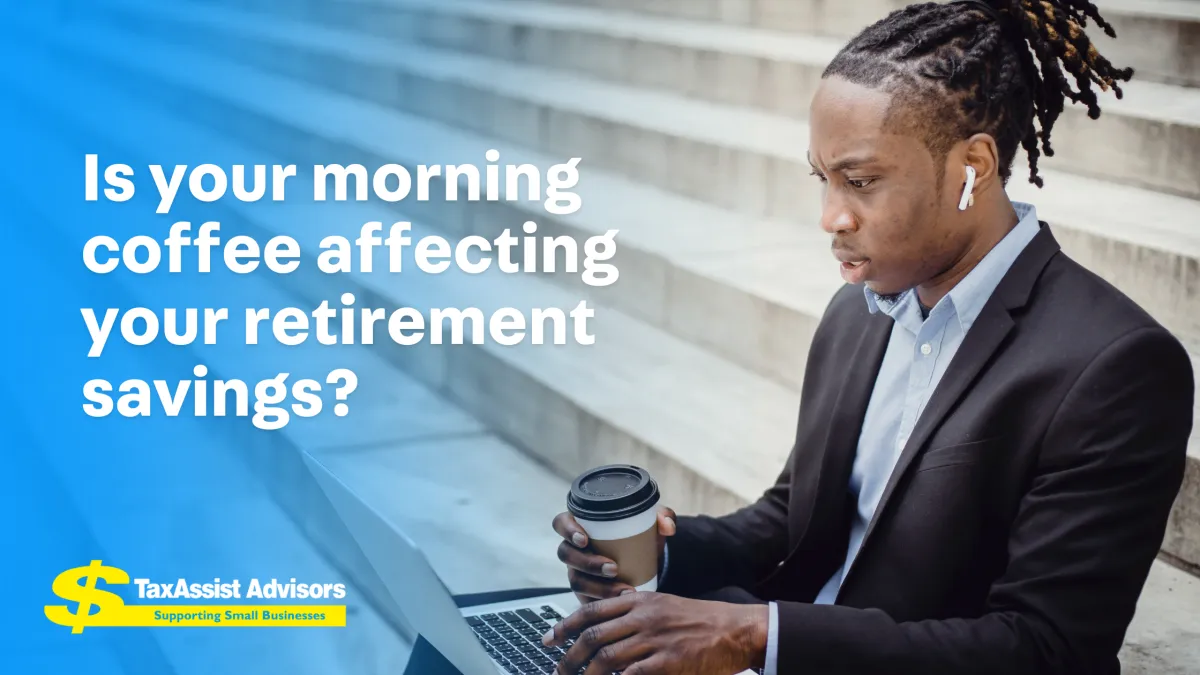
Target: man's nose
pixel 835 218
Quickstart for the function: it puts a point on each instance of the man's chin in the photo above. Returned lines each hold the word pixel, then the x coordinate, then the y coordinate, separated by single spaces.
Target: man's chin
pixel 878 288
pixel 884 291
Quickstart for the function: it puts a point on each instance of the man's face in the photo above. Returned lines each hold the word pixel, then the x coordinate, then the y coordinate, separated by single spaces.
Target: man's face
pixel 882 201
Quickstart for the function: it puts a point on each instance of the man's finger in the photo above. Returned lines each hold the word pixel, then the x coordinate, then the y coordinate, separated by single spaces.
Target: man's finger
pixel 588 563
pixel 566 527
pixel 592 587
pixel 587 616
pixel 611 645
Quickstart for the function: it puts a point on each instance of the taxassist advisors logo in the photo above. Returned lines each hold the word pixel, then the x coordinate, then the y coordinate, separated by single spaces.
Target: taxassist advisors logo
pixel 98 607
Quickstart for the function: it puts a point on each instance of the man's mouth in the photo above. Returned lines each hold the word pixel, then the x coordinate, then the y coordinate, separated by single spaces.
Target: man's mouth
pixel 854 270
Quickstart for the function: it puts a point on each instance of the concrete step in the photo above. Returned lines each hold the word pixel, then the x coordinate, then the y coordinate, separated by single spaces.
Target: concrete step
pixel 1151 138
pixel 1158 38
pixel 725 277
pixel 1163 638
pixel 1141 240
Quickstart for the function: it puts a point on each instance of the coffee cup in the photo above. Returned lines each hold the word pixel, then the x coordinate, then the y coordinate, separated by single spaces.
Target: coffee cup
pixel 616 506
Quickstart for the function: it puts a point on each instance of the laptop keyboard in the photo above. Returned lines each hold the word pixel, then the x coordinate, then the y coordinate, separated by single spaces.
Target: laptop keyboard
pixel 514 639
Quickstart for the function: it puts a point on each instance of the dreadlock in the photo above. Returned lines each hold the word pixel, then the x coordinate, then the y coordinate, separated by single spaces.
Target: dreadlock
pixel 973 66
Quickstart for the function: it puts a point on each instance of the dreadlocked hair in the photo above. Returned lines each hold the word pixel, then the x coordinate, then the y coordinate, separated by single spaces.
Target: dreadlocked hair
pixel 977 70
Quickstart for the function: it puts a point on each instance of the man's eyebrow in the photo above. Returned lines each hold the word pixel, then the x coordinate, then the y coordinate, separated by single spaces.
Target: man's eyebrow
pixel 847 162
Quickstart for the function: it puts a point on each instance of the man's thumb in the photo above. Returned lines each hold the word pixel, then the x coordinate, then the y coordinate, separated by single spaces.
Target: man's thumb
pixel 666 522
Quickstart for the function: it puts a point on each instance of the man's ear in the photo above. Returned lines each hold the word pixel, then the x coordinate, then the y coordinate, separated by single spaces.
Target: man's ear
pixel 982 154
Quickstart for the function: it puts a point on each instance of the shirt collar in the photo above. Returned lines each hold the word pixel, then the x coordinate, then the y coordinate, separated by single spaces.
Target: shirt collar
pixel 967 298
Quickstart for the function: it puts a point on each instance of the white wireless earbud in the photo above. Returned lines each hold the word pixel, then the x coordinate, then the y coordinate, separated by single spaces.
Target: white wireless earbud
pixel 967 197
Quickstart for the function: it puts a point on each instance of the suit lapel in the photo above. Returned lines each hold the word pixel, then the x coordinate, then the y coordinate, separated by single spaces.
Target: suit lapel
pixel 841 440
pixel 845 425
pixel 826 520
pixel 976 351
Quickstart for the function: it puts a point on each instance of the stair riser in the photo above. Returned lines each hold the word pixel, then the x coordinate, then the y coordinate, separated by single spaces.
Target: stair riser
pixel 1183 528
pixel 1159 49
pixel 819 17
pixel 776 86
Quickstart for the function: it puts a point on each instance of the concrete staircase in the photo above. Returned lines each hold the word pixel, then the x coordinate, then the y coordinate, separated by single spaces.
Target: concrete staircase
pixel 689 115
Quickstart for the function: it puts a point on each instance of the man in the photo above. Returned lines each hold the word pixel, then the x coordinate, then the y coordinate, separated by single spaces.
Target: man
pixel 990 437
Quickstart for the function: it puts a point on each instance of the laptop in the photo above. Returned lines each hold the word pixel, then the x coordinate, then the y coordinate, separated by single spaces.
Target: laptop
pixel 482 640
pixel 504 637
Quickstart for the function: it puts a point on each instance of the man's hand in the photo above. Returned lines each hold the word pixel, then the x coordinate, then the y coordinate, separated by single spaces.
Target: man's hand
pixel 592 576
pixel 662 634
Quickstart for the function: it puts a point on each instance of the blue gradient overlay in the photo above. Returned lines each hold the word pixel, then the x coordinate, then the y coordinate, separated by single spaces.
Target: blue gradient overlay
pixel 163 496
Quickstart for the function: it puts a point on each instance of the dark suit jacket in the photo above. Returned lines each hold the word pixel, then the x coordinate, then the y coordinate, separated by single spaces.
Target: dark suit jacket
pixel 1021 520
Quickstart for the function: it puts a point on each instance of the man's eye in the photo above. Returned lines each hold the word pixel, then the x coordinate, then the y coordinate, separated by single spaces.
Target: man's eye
pixel 859 183
pixel 818 175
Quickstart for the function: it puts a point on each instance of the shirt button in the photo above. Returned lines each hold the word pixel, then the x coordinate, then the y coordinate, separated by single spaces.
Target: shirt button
pixel 925 349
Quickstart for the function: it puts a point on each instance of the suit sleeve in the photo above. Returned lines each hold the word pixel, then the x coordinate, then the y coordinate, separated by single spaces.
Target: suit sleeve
pixel 708 553
pixel 1081 545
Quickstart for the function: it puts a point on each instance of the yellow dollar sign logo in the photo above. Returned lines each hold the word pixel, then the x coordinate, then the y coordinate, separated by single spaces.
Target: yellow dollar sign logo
pixel 68 586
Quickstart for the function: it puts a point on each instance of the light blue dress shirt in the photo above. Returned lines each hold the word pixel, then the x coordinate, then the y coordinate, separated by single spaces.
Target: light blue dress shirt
pixel 918 352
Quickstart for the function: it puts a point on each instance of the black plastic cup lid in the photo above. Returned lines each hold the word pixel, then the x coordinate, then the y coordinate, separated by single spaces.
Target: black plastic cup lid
pixel 612 492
